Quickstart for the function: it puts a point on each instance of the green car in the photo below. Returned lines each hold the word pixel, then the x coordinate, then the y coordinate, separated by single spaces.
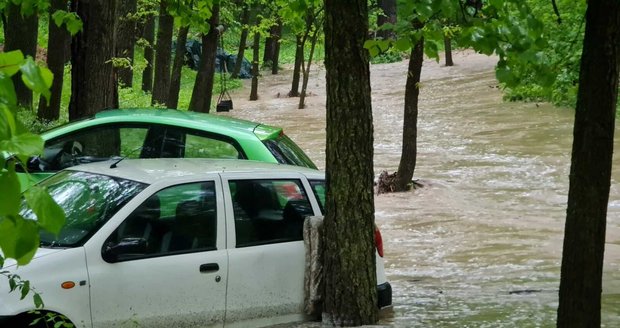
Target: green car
pixel 160 133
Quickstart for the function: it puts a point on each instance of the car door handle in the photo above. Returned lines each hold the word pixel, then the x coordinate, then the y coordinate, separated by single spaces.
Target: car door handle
pixel 209 267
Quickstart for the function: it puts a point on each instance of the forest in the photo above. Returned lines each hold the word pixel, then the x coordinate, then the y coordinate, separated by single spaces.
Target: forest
pixel 67 60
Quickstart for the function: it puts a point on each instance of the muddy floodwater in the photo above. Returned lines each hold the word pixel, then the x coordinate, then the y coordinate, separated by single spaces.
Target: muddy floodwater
pixel 481 244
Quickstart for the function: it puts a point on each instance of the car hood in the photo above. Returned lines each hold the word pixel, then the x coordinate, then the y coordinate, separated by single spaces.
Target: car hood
pixel 41 252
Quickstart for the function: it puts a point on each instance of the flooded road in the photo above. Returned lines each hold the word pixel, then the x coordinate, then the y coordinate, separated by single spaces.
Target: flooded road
pixel 481 244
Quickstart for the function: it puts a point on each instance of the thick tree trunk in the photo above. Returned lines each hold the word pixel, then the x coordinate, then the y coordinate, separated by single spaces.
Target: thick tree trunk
pixel 93 86
pixel 126 39
pixel 275 61
pixel 270 43
pixel 410 120
pixel 203 88
pixel 304 86
pixel 177 67
pixel 349 253
pixel 243 39
pixel 21 33
pixel 163 56
pixel 255 67
pixel 148 35
pixel 447 42
pixel 389 16
pixel 299 60
pixel 58 37
pixel 590 173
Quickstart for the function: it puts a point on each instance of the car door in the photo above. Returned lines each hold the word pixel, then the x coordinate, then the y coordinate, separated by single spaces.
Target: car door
pixel 265 215
pixel 164 263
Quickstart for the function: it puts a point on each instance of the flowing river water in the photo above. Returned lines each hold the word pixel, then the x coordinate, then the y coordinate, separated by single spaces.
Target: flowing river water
pixel 481 244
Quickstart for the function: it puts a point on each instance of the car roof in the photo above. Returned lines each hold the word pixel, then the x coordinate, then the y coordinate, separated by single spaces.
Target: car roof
pixel 200 121
pixel 156 169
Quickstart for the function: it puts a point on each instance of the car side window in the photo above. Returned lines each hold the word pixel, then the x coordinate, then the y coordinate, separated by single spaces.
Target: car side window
pixel 268 211
pixel 178 219
pixel 93 144
pixel 318 187
pixel 188 143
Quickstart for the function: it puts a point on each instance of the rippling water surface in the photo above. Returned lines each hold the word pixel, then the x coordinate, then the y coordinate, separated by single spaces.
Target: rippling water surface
pixel 481 244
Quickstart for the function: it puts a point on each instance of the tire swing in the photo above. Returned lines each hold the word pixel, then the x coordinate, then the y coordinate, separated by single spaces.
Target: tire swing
pixel 224 101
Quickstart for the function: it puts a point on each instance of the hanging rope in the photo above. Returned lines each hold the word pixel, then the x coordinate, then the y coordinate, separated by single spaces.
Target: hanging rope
pixel 224 102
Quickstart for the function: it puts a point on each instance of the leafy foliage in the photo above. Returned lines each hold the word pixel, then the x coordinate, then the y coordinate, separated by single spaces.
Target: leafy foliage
pixel 19 237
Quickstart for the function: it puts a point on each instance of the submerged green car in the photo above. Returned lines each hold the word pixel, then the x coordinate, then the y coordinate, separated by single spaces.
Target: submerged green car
pixel 160 133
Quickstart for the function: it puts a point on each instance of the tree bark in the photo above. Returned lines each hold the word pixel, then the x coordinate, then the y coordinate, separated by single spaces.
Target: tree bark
pixel 58 37
pixel 21 33
pixel 389 16
pixel 126 39
pixel 163 55
pixel 149 36
pixel 203 88
pixel 410 121
pixel 447 42
pixel 299 59
pixel 243 39
pixel 275 61
pixel 349 250
pixel 93 86
pixel 590 173
pixel 177 68
pixel 255 67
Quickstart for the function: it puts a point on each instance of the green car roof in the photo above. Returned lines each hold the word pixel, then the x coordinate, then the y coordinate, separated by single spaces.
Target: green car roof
pixel 233 127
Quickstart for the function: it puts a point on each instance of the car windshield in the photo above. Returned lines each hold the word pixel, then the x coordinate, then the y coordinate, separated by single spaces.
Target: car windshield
pixel 287 152
pixel 88 200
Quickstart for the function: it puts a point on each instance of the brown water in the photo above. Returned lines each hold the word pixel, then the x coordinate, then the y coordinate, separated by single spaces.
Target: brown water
pixel 481 244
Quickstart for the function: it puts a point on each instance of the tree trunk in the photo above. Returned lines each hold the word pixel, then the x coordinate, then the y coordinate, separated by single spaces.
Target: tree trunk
pixel 304 86
pixel 203 88
pixel 299 60
pixel 126 39
pixel 163 55
pixel 177 67
pixel 410 119
pixel 243 39
pixel 590 173
pixel 149 36
pixel 349 250
pixel 255 67
pixel 275 61
pixel 58 37
pixel 21 33
pixel 93 86
pixel 270 43
pixel 388 16
pixel 447 42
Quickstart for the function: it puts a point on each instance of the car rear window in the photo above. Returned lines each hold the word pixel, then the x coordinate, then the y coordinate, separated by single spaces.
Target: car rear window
pixel 287 152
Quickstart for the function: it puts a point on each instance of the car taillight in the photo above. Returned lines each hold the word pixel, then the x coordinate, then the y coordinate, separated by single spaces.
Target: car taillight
pixel 378 241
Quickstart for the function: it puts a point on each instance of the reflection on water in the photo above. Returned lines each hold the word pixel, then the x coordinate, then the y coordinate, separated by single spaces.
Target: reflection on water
pixel 480 245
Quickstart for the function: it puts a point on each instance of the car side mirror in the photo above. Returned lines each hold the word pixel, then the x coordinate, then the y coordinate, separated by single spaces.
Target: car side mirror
pixel 113 252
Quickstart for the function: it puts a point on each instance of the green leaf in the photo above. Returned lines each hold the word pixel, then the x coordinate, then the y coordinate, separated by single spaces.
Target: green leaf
pixel 402 44
pixel 1 262
pixel 9 202
pixel 38 79
pixel 25 289
pixel 7 90
pixel 23 145
pixel 19 239
pixel 12 283
pixel 38 301
pixel 10 61
pixel 50 216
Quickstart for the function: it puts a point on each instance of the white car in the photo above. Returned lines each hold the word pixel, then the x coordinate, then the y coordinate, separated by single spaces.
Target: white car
pixel 174 243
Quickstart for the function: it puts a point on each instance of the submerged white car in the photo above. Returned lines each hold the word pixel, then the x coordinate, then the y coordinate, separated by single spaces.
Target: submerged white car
pixel 176 243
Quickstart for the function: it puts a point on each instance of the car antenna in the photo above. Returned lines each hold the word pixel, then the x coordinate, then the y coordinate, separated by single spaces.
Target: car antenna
pixel 114 165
